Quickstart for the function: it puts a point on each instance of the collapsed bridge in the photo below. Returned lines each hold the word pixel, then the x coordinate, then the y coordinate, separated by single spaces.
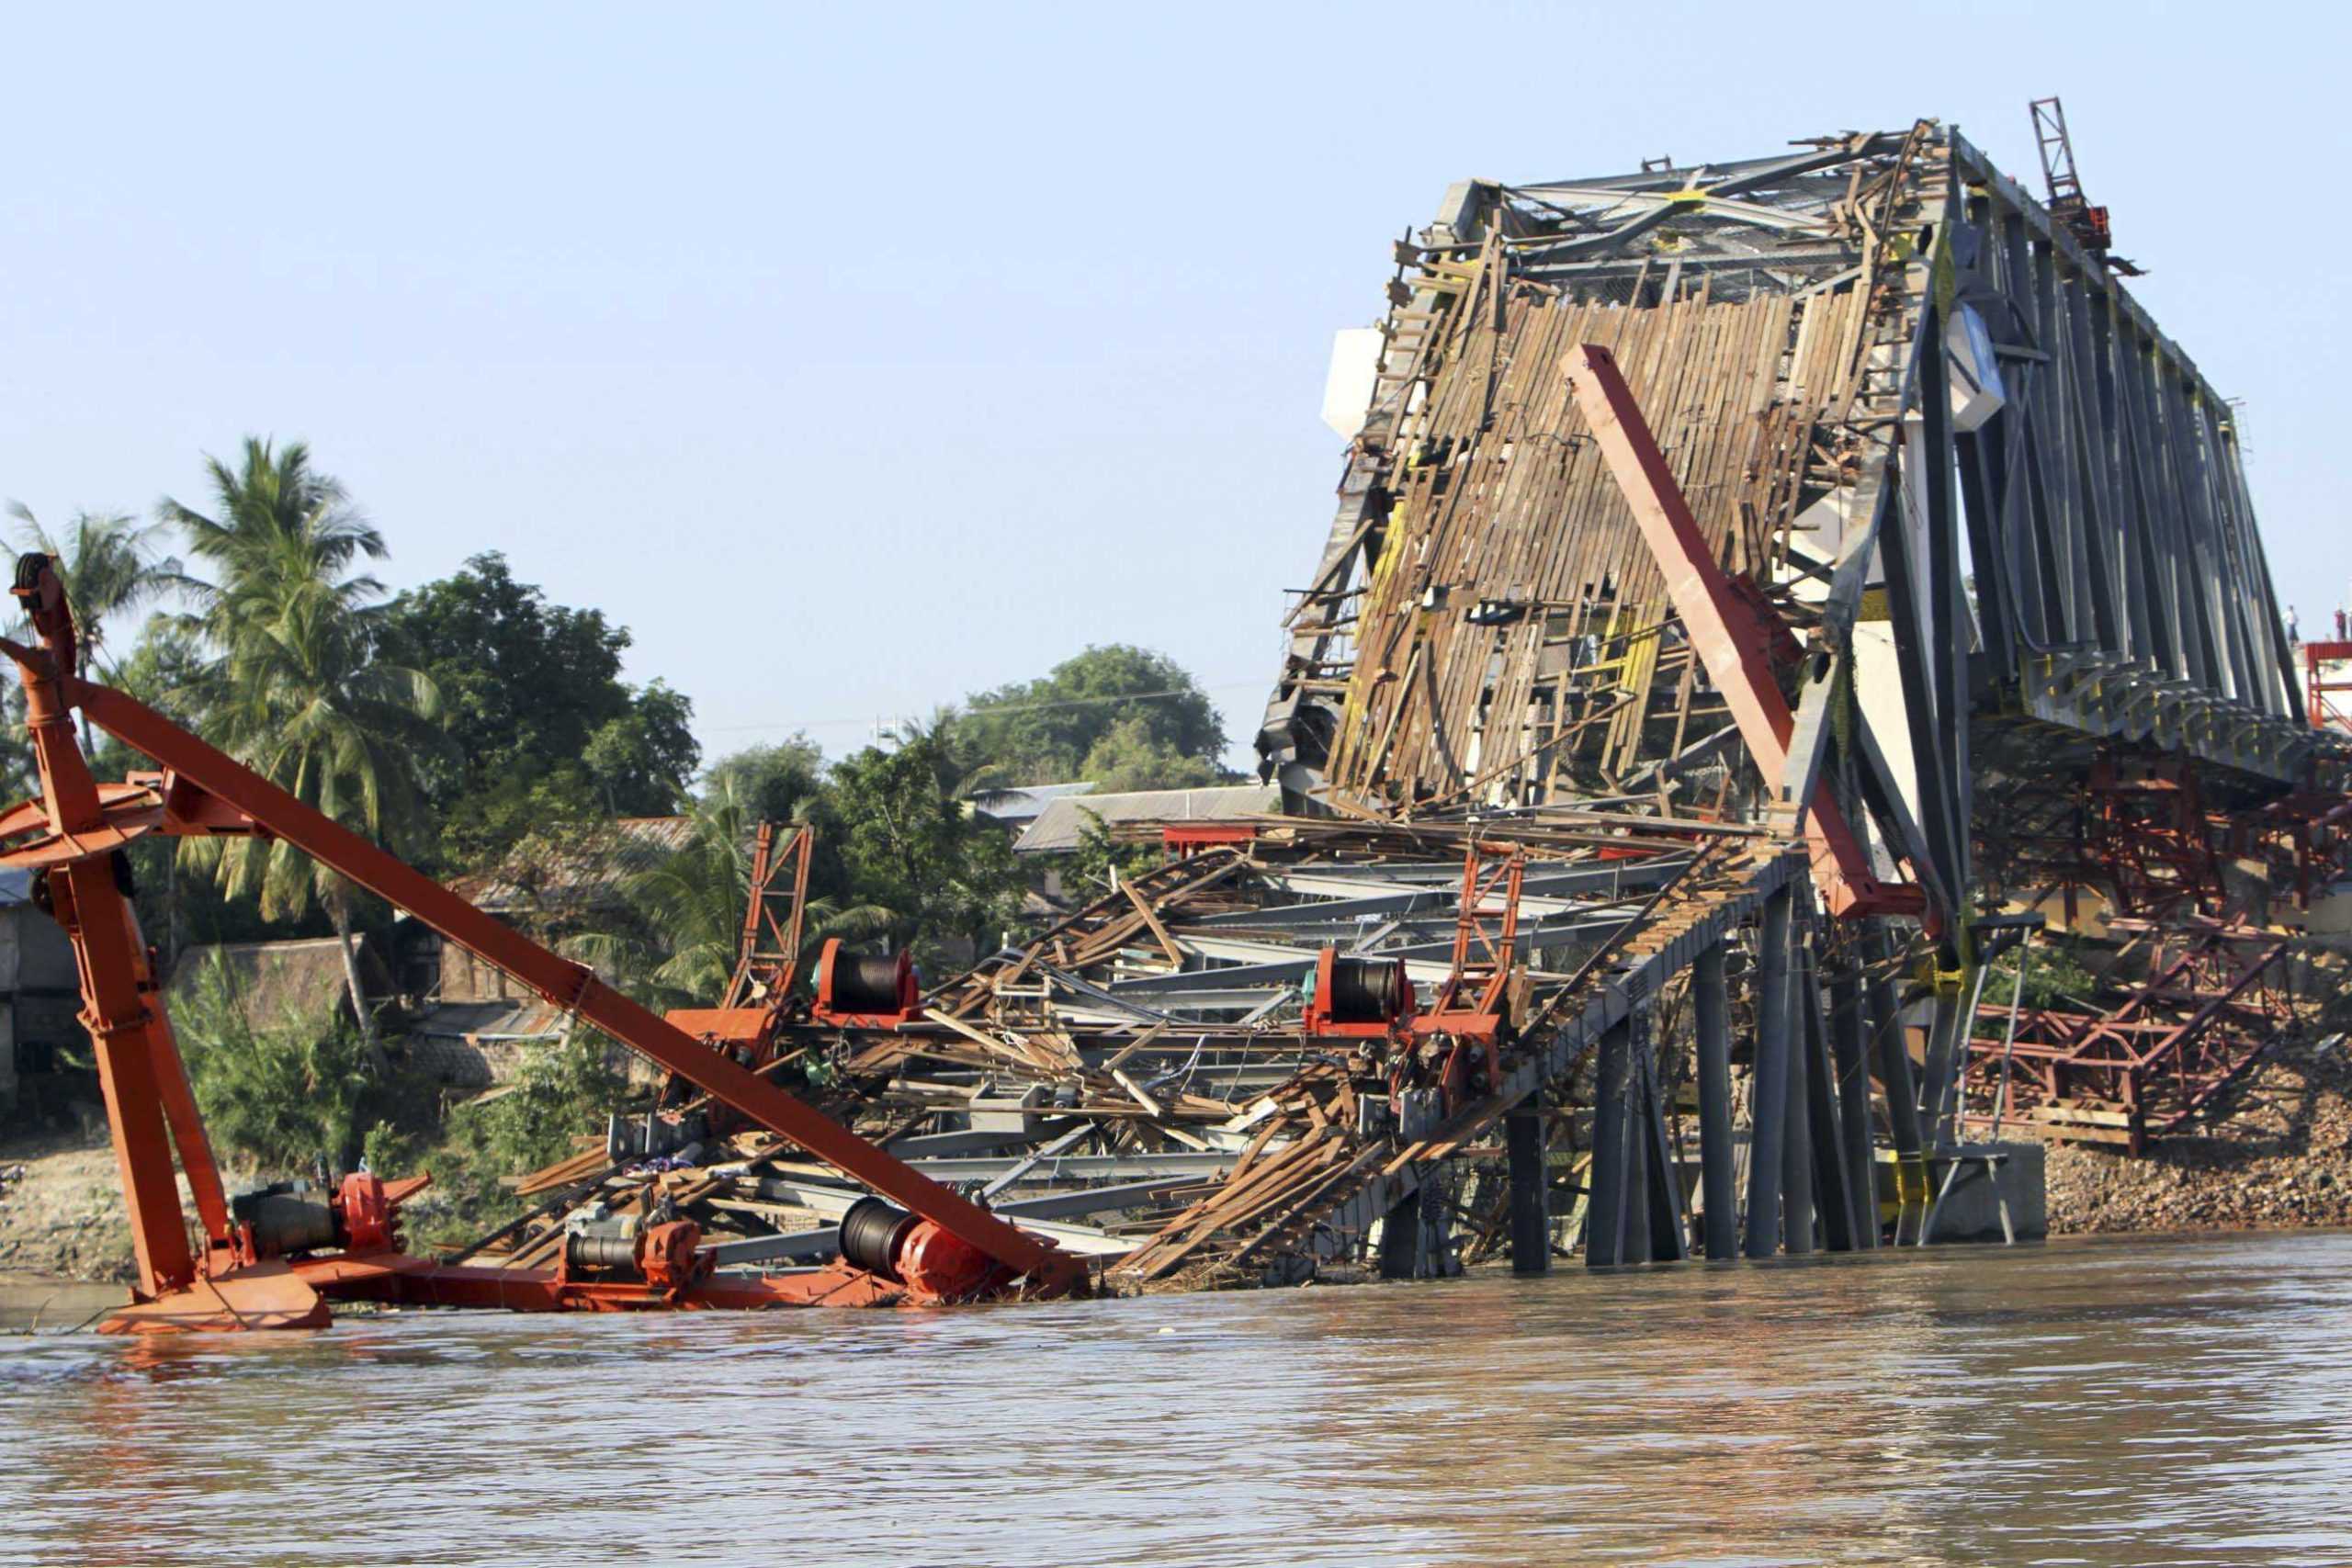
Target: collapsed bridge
pixel 1898 398
pixel 1767 599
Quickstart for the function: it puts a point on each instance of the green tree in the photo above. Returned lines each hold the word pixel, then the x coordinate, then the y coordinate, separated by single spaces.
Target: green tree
pixel 283 1091
pixel 558 1093
pixel 109 565
pixel 19 778
pixel 542 728
pixel 909 845
pixel 693 899
pixel 780 783
pixel 678 942
pixel 2054 975
pixel 1043 731
pixel 788 783
pixel 305 696
pixel 171 670
pixel 640 760
pixel 1129 757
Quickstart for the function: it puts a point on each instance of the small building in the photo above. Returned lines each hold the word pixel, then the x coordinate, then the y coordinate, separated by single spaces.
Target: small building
pixel 281 983
pixel 1061 826
pixel 470 1023
pixel 41 998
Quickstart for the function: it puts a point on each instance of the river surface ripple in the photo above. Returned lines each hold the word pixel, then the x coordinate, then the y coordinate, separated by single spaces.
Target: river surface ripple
pixel 2143 1401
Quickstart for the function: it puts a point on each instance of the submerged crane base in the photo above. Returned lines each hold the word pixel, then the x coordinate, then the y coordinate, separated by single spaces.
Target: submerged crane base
pixel 266 1295
pixel 280 1294
pixel 272 1259
pixel 661 1268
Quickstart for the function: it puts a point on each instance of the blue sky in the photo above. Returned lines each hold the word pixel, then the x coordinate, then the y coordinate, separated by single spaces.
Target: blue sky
pixel 857 358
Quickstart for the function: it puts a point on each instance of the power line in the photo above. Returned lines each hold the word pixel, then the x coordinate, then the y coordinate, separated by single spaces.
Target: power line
pixel 1001 707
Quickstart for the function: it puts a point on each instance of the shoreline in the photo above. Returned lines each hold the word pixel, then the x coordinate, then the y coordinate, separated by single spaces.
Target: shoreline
pixel 2279 1159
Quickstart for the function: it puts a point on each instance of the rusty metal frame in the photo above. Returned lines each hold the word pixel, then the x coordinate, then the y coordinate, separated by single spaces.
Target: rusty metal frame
pixel 2143 1069
pixel 71 838
pixel 1728 632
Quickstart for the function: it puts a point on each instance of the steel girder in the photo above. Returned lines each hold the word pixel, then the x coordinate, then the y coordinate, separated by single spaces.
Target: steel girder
pixel 2120 583
pixel 2046 503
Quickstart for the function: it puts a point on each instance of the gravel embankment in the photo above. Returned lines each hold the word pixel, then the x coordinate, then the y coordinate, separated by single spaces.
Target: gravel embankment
pixel 2280 1157
pixel 60 1214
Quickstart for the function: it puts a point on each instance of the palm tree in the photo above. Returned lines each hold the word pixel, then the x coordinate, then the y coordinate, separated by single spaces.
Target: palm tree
pixel 305 697
pixel 283 528
pixel 694 897
pixel 823 919
pixel 107 563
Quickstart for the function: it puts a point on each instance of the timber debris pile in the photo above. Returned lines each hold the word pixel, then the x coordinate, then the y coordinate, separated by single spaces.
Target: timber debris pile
pixel 1792 696
pixel 1187 1080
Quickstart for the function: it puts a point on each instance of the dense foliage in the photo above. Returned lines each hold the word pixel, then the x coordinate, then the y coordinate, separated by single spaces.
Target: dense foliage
pixel 2055 976
pixel 1124 712
pixel 300 688
pixel 287 1093
pixel 909 844
pixel 474 725
pixel 541 726
pixel 560 1093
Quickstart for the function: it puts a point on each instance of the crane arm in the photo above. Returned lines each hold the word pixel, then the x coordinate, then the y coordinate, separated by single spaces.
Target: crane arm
pixel 572 987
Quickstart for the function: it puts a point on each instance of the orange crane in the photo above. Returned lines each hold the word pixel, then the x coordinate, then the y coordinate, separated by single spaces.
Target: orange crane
pixel 272 1259
pixel 2088 224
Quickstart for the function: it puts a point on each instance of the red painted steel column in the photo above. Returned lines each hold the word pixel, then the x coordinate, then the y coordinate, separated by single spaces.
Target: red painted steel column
pixel 84 896
pixel 178 1097
pixel 1723 629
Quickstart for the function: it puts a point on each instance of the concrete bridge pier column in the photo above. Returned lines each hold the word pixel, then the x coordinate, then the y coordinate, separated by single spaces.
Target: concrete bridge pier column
pixel 1529 1199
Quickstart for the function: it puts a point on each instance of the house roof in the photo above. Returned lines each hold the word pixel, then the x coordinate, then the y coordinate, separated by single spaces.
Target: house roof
pixel 1062 824
pixel 278 981
pixel 590 872
pixel 476 1044
pixel 1013 804
pixel 493 1021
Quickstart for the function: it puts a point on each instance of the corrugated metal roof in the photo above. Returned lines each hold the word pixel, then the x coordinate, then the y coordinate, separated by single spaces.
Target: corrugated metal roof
pixel 493 1021
pixel 1062 824
pixel 1022 803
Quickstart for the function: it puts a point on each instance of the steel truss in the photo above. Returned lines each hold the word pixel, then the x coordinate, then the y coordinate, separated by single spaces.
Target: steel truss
pixel 2155 836
pixel 1996 386
pixel 2216 997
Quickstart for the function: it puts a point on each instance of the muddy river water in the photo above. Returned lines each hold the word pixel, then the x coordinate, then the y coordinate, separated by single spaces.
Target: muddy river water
pixel 2086 1402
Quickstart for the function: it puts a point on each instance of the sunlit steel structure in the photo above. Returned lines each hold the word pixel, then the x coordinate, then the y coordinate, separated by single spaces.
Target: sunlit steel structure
pixel 1899 398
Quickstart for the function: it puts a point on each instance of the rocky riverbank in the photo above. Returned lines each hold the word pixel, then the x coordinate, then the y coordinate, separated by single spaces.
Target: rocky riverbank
pixel 2280 1157
pixel 60 1213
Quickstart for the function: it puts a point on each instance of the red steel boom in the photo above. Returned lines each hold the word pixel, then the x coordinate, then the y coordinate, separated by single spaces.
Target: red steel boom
pixel 72 835
pixel 1725 630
